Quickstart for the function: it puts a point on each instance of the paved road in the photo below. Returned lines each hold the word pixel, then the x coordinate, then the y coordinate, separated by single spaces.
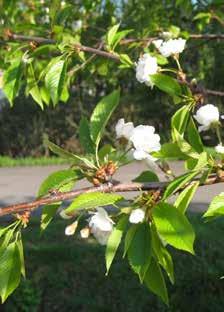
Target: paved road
pixel 21 184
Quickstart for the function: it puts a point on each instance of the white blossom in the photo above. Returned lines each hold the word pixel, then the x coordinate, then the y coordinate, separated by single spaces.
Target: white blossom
pixel 77 25
pixel 170 47
pixel 70 229
pixel 146 66
pixel 137 216
pixel 219 149
pixel 124 130
pixel 145 141
pixel 207 116
pixel 101 225
pixel 157 43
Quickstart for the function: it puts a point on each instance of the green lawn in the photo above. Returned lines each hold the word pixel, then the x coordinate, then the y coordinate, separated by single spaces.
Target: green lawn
pixel 66 274
pixel 6 161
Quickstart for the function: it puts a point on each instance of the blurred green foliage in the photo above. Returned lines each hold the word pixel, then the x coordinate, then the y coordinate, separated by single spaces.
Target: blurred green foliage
pixel 23 126
pixel 68 276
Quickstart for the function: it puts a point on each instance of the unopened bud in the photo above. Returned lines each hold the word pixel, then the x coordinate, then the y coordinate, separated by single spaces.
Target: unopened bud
pixel 70 229
pixel 85 232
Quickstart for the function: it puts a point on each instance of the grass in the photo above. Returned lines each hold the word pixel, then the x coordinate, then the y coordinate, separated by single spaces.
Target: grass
pixel 6 161
pixel 67 274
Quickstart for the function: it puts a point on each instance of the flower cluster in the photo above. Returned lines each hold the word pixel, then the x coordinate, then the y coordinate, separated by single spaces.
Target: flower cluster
pixel 147 64
pixel 219 149
pixel 143 139
pixel 170 47
pixel 137 216
pixel 145 67
pixel 207 116
pixel 101 225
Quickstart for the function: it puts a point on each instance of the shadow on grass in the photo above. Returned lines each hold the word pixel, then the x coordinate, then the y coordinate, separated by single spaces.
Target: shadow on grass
pixel 67 274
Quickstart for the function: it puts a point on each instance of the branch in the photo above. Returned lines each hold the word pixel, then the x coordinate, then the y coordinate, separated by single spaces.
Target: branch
pixel 199 89
pixel 114 56
pixel 42 40
pixel 120 187
pixel 192 36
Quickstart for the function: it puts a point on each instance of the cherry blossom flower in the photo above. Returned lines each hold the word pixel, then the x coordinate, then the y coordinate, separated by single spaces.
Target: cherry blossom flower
pixel 146 66
pixel 124 130
pixel 170 47
pixel 145 141
pixel 137 216
pixel 101 225
pixel 219 149
pixel 207 116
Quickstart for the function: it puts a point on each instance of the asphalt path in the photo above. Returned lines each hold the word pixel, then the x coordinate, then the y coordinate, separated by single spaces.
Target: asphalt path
pixel 20 184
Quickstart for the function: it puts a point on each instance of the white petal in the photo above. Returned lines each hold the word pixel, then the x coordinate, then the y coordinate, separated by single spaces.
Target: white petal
pixel 203 128
pixel 100 220
pixel 219 149
pixel 137 216
pixel 206 116
pixel 146 66
pixel 140 154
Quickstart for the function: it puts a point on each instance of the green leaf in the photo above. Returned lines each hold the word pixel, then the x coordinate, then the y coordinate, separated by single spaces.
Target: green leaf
pixel 184 146
pixel 128 238
pixel 175 31
pixel 111 35
pixel 105 152
pixel 170 151
pixel 57 179
pixel 93 200
pixel 67 155
pixel 114 241
pixel 55 78
pixel 174 227
pixel 125 60
pixel 184 198
pixel 202 162
pixel 10 270
pixel 203 15
pixel 180 119
pixel 193 136
pixel 167 84
pixel 84 136
pixel 101 115
pixel 118 37
pixel 154 280
pixel 161 60
pixel 45 95
pixel 7 237
pixel 50 210
pixel 11 80
pixel 162 254
pixel 140 250
pixel 34 90
pixel 178 183
pixel 19 244
pixel 216 207
pixel 147 176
